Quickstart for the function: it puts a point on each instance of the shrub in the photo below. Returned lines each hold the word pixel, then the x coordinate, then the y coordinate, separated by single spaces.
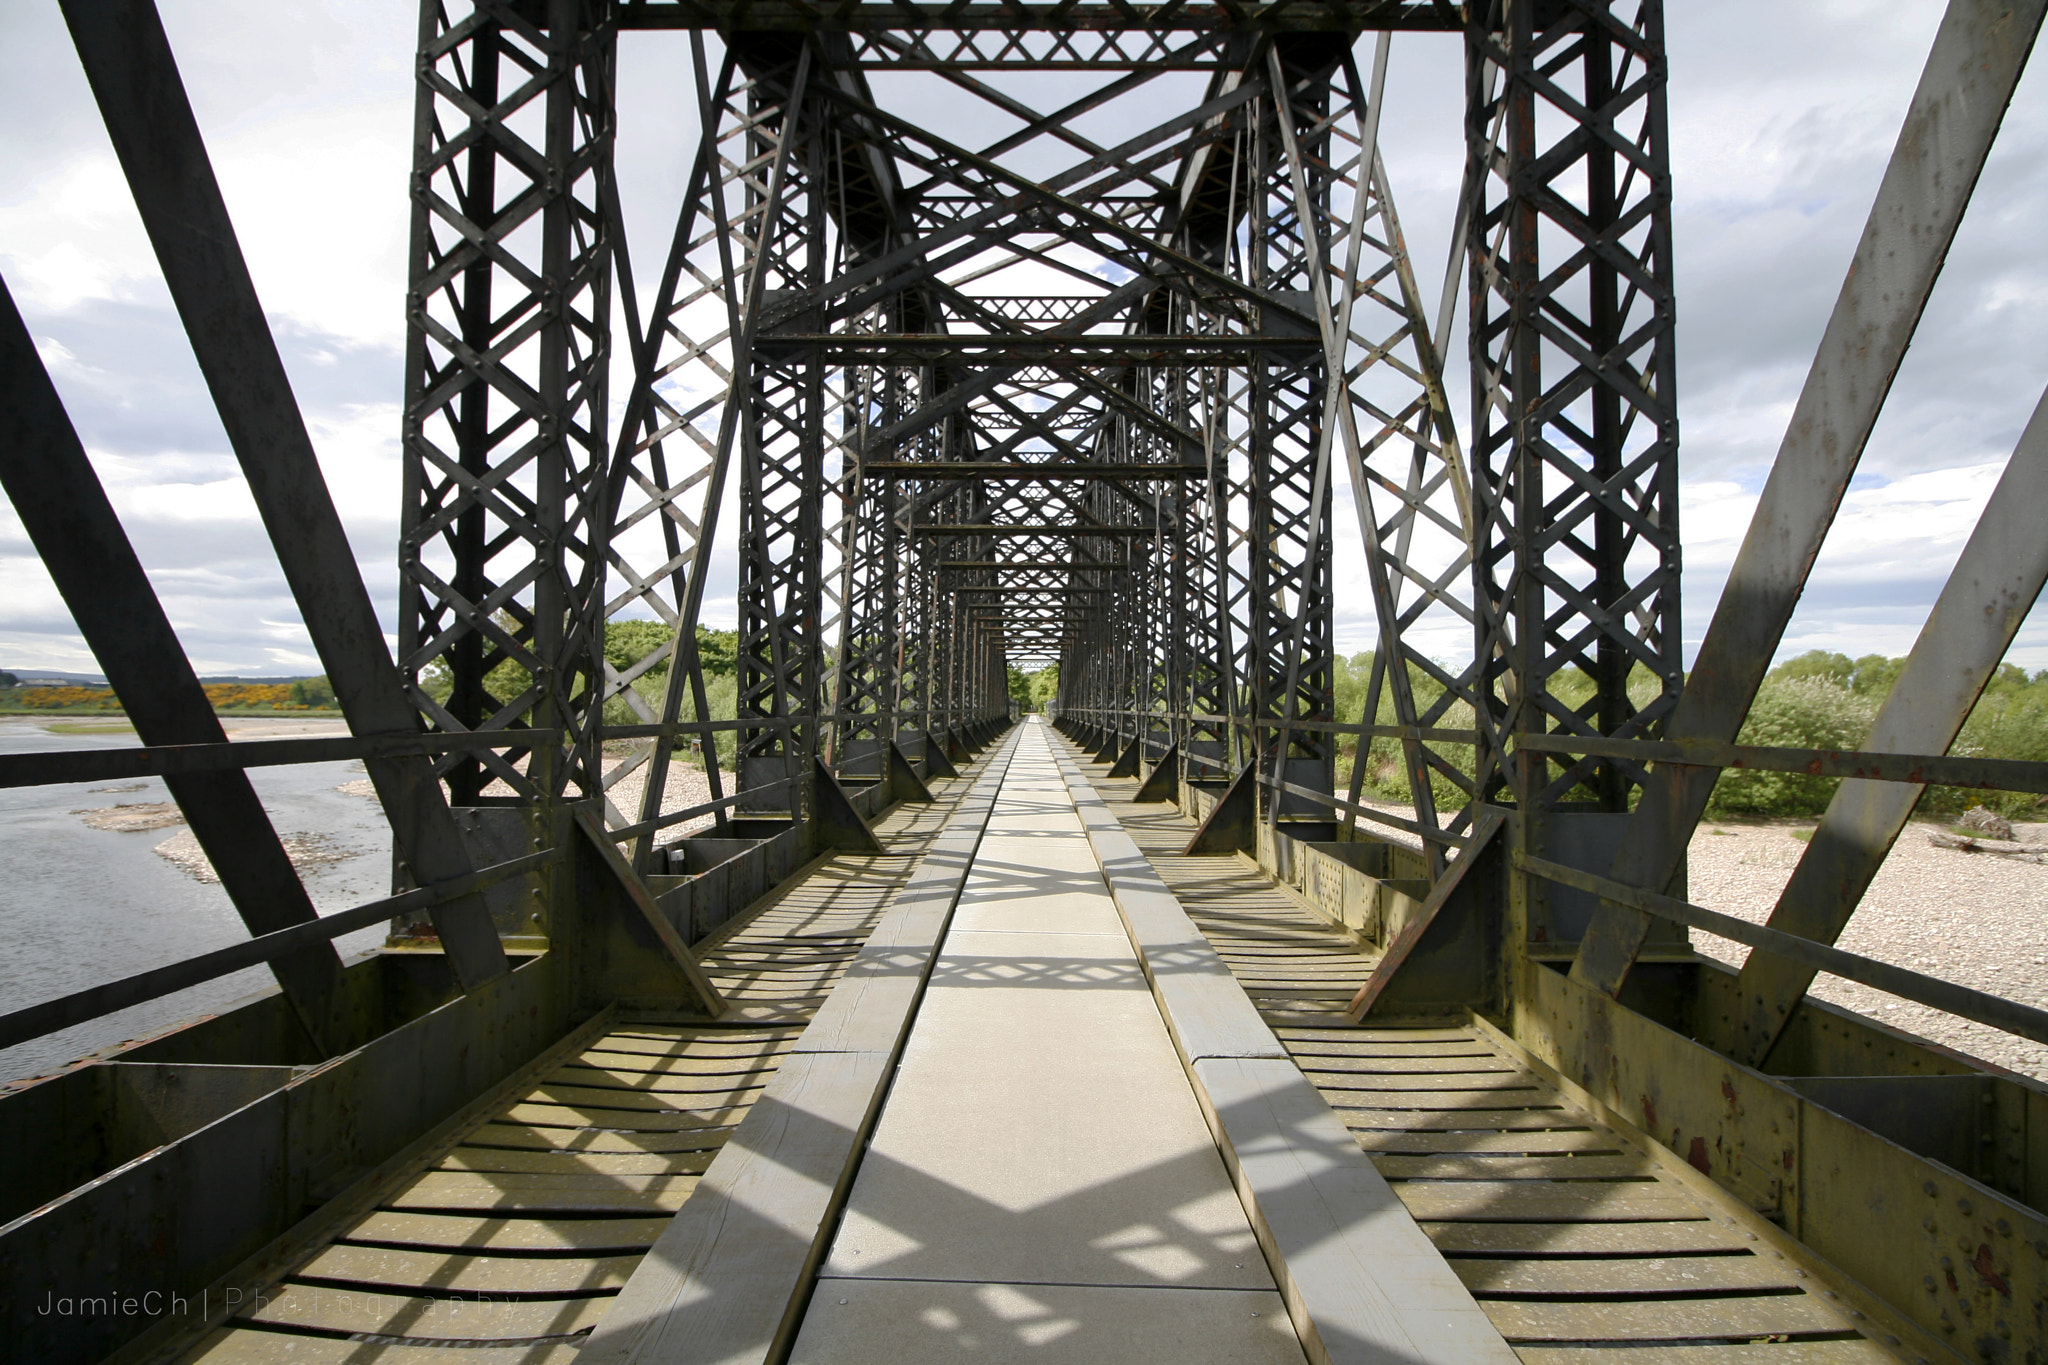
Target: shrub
pixel 2008 722
pixel 1810 710
pixel 721 693
pixel 249 694
pixel 58 698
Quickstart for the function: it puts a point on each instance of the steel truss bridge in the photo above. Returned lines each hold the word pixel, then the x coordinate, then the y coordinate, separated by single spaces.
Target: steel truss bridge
pixel 632 1077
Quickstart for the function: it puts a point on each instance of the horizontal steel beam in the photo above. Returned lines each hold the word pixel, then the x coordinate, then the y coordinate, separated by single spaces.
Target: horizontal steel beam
pixel 1047 352
pixel 969 469
pixel 170 760
pixel 977 529
pixel 35 1021
pixel 1927 770
pixel 840 16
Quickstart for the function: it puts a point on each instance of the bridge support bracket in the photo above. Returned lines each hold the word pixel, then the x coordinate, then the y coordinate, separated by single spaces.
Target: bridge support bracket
pixel 839 825
pixel 1448 958
pixel 1232 825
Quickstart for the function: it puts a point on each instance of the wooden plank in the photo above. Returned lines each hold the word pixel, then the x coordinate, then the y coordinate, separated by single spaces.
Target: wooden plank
pixel 587 1163
pixel 416 1271
pixel 1382 1034
pixel 1545 1201
pixel 670 1036
pixel 1424 1098
pixel 1856 1351
pixel 1662 1319
pixel 1317 1064
pixel 1624 1277
pixel 706 1076
pixel 651 1052
pixel 462 1191
pixel 787 973
pixel 594 1139
pixel 559 1092
pixel 1529 1143
pixel 255 1346
pixel 1281 954
pixel 1586 1239
pixel 592 1236
pixel 1502 1082
pixel 321 1308
pixel 720 1068
pixel 543 1113
pixel 1479 1116
pixel 631 1054
pixel 1392 1049
pixel 1617 1166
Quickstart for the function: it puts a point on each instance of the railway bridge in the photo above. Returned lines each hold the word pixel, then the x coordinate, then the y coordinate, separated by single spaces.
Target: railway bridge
pixel 990 335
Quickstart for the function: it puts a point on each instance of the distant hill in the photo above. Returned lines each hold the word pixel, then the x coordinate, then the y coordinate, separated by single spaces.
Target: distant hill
pixel 31 676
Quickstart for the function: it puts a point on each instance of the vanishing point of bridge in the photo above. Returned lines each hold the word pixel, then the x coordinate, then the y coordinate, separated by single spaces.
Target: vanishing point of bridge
pixel 1124 1032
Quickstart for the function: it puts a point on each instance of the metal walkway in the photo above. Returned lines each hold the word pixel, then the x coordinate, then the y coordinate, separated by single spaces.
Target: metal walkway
pixel 1574 1236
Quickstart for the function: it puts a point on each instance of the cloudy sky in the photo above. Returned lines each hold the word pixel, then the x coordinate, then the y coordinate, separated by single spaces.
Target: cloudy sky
pixel 1782 118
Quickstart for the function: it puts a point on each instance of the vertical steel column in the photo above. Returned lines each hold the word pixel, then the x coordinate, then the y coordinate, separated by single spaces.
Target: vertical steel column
pixel 1575 430
pixel 781 453
pixel 507 504
pixel 1292 658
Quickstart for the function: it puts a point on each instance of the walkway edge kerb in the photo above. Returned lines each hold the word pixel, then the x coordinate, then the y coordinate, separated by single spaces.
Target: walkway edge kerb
pixel 1360 1278
pixel 728 1279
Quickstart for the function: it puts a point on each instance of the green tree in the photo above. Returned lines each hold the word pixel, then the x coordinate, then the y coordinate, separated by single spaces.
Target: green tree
pixel 313 692
pixel 1874 674
pixel 718 651
pixel 1816 663
pixel 628 642
pixel 1045 686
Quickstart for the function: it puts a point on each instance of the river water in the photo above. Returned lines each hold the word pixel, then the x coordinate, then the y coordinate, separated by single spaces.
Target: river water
pixel 81 906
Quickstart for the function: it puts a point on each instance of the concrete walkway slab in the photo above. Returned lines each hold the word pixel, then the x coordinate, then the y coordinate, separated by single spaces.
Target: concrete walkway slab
pixel 856 1322
pixel 1042 1180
